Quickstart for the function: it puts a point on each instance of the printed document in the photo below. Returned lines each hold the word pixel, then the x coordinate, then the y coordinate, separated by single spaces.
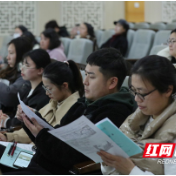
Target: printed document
pixel 88 139
pixel 31 114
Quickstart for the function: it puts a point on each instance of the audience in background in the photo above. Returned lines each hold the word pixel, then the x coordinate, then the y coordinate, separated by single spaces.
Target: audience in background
pixel 51 43
pixel 75 31
pixel 10 78
pixel 61 30
pixel 86 31
pixel 153 122
pixel 31 37
pixel 19 31
pixel 119 40
pixel 106 70
pixel 31 94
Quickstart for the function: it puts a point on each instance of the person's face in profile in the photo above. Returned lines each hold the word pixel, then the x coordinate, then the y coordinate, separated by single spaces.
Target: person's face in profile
pixel 83 30
pixel 119 29
pixel 155 102
pixel 44 42
pixel 53 91
pixel 96 85
pixel 172 44
pixel 11 57
pixel 29 70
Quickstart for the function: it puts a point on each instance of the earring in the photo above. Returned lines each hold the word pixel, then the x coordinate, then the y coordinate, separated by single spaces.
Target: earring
pixel 174 96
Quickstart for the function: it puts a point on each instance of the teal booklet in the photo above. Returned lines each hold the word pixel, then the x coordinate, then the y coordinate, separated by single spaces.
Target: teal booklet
pixel 125 143
pixel 8 160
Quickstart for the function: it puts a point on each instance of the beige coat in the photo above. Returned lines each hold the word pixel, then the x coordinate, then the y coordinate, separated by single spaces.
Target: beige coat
pixel 160 130
pixel 52 112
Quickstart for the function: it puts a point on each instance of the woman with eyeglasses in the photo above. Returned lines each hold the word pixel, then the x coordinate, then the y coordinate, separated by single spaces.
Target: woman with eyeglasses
pixel 153 83
pixel 170 51
pixel 31 94
pixel 10 78
pixel 63 85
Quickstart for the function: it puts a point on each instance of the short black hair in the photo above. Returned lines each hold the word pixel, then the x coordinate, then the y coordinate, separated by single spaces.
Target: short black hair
pixel 158 70
pixel 173 31
pixel 54 38
pixel 51 24
pixel 22 28
pixel 111 63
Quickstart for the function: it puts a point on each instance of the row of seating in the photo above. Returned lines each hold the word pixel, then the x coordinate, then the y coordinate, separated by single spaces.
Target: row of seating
pixel 141 43
pixel 155 26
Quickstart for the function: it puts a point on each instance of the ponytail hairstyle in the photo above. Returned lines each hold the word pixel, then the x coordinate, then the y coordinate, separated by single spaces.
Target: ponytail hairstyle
pixel 39 56
pixel 60 72
pixel 22 46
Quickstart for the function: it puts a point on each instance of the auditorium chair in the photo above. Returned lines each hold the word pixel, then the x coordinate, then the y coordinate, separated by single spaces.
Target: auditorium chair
pixel 155 49
pixel 4 49
pixel 158 26
pixel 66 43
pixel 171 26
pixel 79 50
pixel 98 35
pixel 142 25
pixel 130 37
pixel 141 44
pixel 106 35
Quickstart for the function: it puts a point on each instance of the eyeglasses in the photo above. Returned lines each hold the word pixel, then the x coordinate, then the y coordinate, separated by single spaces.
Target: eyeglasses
pixel 141 96
pixel 25 67
pixel 171 42
pixel 47 90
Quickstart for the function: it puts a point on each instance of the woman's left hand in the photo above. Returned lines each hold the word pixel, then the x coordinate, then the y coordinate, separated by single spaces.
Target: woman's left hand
pixel 123 165
pixel 35 128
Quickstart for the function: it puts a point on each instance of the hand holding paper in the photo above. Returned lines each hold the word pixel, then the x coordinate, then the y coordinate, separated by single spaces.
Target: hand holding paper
pixel 30 114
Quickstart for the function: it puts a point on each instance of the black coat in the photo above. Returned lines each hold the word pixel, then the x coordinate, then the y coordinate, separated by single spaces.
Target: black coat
pixel 37 100
pixel 56 156
pixel 117 41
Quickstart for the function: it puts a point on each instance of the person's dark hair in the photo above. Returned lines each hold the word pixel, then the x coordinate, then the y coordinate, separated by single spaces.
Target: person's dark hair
pixel 159 71
pixel 31 37
pixel 54 38
pixel 60 72
pixel 22 28
pixel 51 24
pixel 22 45
pixel 111 63
pixel 90 30
pixel 173 31
pixel 39 56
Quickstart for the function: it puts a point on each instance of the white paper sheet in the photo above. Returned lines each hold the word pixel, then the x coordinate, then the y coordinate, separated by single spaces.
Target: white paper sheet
pixel 22 146
pixel 85 137
pixel 31 114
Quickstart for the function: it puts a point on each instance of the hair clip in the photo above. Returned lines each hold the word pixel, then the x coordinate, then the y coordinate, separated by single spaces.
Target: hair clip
pixel 66 63
pixel 174 96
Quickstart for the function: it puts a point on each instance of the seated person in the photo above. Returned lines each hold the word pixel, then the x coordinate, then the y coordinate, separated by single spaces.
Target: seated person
pixel 61 30
pixel 63 85
pixel 50 42
pixel 153 122
pixel 119 40
pixel 86 31
pixel 170 52
pixel 32 95
pixel 75 31
pixel 19 31
pixel 31 37
pixel 105 73
pixel 10 78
